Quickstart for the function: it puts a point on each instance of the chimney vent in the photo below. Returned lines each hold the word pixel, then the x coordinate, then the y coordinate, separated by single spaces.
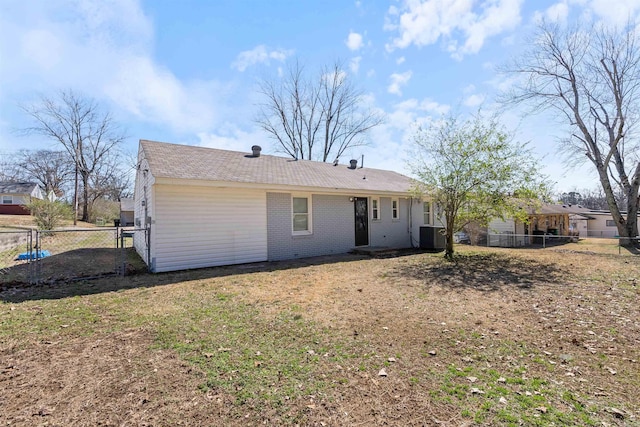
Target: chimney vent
pixel 353 163
pixel 256 150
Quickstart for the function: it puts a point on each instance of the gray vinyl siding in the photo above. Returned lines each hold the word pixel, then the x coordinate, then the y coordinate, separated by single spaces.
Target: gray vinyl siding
pixel 332 227
pixel 387 232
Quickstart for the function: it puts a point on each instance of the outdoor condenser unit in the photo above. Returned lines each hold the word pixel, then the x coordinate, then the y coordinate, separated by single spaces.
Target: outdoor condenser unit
pixel 432 238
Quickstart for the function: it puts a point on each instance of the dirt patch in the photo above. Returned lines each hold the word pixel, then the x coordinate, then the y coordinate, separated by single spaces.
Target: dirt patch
pixel 500 337
pixel 111 379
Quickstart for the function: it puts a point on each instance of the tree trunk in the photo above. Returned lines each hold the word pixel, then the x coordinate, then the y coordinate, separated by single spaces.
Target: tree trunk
pixel 85 197
pixel 448 253
pixel 631 223
pixel 624 231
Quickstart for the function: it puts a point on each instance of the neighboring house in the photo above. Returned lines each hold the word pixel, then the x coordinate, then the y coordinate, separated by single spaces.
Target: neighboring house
pixel 602 224
pixel 550 219
pixel 15 195
pixel 208 207
pixel 126 211
pixel 560 220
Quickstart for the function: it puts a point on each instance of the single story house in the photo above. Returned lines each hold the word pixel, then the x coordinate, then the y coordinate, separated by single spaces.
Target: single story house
pixel 602 224
pixel 15 195
pixel 126 211
pixel 206 207
pixel 549 219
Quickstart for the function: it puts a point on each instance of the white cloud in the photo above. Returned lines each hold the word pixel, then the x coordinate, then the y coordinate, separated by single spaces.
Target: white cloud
pixel 154 94
pixel 473 100
pixel 616 12
pixel 427 105
pixel 610 12
pixel 469 89
pixel 259 55
pixel 400 60
pixel 354 64
pixel 229 137
pixel 558 12
pixel 397 81
pixel 42 47
pixel 354 41
pixel 103 50
pixel 462 28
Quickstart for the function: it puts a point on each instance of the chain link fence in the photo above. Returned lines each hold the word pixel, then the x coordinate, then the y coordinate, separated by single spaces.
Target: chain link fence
pixel 41 257
pixel 15 255
pixel 511 240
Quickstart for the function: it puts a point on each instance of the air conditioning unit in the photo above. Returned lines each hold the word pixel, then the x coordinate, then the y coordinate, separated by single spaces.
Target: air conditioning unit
pixel 432 238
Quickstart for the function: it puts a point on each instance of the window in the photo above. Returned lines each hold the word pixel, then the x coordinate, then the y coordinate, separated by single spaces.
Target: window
pixel 611 223
pixel 375 209
pixel 426 211
pixel 7 200
pixel 301 215
pixel 395 212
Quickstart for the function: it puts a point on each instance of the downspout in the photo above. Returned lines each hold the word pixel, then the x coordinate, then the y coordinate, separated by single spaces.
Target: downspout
pixel 411 222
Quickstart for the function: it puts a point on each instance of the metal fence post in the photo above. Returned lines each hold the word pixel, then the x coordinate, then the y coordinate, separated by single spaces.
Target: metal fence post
pixel 30 266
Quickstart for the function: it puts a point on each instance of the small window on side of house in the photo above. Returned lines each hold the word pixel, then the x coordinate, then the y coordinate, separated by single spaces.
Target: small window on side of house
pixel 395 209
pixel 375 209
pixel 301 215
pixel 426 213
pixel 7 200
pixel 611 223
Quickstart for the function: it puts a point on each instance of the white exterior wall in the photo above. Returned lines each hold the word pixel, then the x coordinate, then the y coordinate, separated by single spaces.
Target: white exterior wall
pixel 195 227
pixel 579 225
pixel 17 199
pixel 499 226
pixel 598 226
pixel 417 219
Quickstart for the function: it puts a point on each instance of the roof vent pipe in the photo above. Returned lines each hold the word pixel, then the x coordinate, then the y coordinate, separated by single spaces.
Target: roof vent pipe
pixel 256 150
pixel 353 163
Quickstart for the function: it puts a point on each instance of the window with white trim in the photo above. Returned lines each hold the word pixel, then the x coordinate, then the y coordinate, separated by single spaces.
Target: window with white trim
pixel 7 200
pixel 426 213
pixel 301 214
pixel 611 223
pixel 395 209
pixel 375 209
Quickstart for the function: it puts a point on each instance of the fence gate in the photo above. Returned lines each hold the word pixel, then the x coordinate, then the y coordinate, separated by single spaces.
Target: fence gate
pixel 73 254
pixel 30 256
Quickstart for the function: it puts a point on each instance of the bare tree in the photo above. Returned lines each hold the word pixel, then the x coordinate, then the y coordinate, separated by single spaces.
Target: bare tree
pixel 86 133
pixel 591 76
pixel 108 181
pixel 8 168
pixel 318 118
pixel 52 170
pixel 591 198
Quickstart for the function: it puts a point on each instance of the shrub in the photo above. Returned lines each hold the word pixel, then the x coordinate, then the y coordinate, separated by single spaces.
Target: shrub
pixel 107 210
pixel 48 215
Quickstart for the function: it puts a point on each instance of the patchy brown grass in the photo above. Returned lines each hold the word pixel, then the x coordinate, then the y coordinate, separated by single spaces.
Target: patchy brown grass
pixel 499 337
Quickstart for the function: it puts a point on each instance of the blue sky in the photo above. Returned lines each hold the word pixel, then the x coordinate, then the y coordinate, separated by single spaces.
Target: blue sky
pixel 186 71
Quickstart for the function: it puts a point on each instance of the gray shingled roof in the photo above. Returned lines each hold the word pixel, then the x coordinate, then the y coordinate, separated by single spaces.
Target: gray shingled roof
pixel 12 187
pixel 552 209
pixel 189 162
